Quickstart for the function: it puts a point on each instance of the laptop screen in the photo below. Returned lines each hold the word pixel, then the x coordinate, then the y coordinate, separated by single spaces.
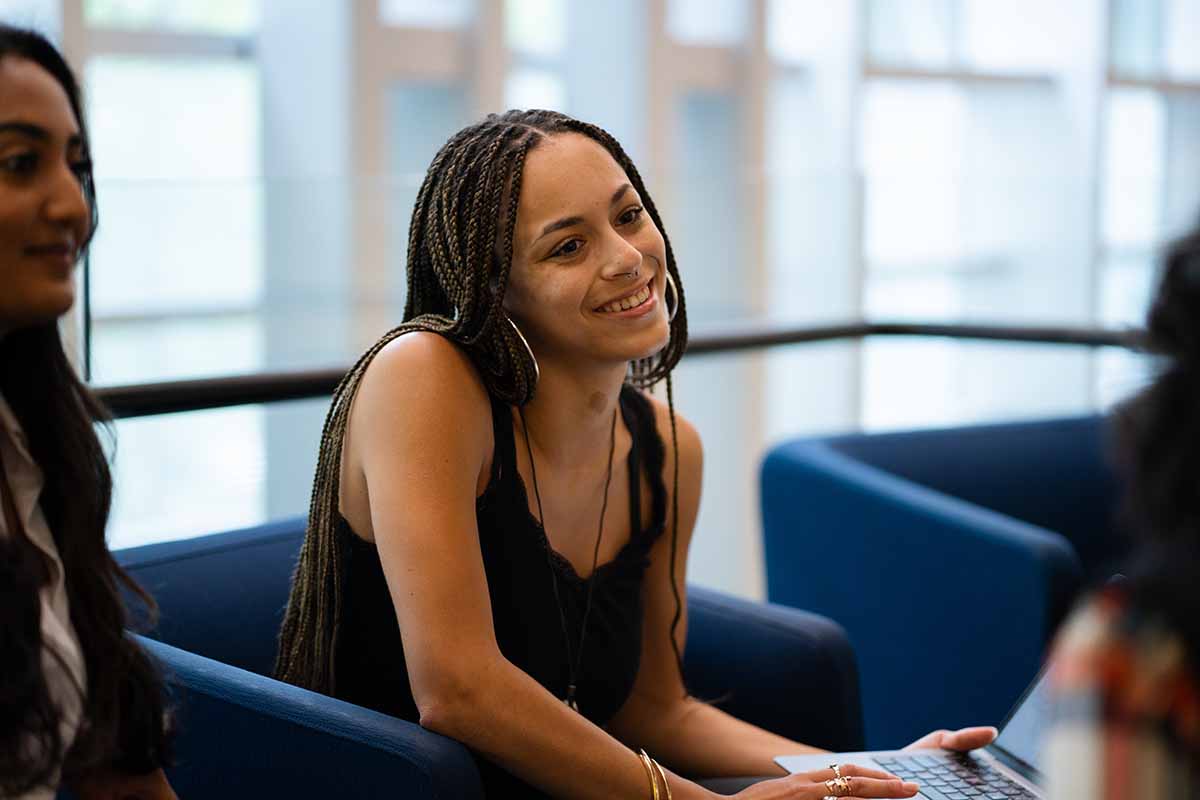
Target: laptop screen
pixel 1022 735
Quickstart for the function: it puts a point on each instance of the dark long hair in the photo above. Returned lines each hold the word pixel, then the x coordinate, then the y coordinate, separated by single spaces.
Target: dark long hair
pixel 1158 440
pixel 124 724
pixel 459 254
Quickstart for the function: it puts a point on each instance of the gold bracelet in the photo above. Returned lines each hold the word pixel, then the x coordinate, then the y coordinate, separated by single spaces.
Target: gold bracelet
pixel 646 762
pixel 663 774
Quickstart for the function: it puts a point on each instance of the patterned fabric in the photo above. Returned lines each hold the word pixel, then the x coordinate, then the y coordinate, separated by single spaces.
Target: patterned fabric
pixel 1126 708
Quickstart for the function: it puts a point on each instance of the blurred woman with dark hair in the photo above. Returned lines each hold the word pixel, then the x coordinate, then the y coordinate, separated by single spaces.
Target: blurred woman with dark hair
pixel 1127 667
pixel 80 703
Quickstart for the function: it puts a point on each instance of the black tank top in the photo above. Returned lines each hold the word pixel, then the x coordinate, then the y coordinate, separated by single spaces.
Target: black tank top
pixel 370 667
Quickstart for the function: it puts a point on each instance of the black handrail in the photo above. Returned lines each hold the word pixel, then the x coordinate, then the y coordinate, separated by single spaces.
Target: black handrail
pixel 166 397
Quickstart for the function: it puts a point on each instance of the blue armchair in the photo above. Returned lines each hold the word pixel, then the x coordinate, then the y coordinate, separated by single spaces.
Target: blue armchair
pixel 244 734
pixel 950 556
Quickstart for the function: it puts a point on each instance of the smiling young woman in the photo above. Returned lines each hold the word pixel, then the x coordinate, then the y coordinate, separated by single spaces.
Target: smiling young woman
pixel 498 533
pixel 79 700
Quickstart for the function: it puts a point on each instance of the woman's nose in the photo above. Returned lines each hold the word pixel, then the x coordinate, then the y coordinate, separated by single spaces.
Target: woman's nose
pixel 66 204
pixel 624 260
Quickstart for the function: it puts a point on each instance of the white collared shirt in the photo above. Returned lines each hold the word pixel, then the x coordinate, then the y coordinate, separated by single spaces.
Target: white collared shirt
pixel 66 677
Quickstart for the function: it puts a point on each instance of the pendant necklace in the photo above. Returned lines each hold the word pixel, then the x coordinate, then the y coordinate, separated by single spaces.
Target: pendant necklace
pixel 574 659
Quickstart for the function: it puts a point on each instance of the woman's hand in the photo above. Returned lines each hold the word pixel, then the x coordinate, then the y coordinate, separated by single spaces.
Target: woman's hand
pixel 963 739
pixel 862 783
pixel 112 785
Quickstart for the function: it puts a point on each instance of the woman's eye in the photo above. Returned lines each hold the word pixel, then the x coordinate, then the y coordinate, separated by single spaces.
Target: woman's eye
pixel 82 169
pixel 630 215
pixel 19 163
pixel 568 248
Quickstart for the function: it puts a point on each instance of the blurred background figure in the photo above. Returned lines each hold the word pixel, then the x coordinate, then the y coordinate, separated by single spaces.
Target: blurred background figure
pixel 1127 667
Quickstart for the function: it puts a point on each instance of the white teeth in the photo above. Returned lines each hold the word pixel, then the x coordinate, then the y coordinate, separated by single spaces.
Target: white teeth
pixel 629 302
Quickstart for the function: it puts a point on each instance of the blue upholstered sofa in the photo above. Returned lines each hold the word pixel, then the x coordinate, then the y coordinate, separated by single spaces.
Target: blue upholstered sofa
pixel 244 734
pixel 949 556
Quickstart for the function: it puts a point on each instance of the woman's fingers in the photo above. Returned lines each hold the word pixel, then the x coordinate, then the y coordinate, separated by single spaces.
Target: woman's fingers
pixel 968 738
pixel 820 775
pixel 874 787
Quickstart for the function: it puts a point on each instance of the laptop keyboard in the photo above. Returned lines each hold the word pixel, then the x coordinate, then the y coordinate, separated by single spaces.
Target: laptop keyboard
pixel 954 777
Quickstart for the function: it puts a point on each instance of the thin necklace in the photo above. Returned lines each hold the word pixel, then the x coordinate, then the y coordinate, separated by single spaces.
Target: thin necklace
pixel 573 663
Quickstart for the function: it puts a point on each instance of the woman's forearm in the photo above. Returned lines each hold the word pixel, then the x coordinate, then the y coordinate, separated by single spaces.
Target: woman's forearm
pixel 699 739
pixel 515 722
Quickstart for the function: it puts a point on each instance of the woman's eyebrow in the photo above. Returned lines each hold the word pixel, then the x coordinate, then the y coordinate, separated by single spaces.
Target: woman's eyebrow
pixel 25 129
pixel 567 222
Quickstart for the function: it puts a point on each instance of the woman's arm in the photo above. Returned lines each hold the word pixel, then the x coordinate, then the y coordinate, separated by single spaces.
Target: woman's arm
pixel 693 737
pixel 422 444
pixel 111 785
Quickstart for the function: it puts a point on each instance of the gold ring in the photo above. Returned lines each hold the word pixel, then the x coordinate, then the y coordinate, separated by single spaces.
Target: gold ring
pixel 838 787
pixel 837 770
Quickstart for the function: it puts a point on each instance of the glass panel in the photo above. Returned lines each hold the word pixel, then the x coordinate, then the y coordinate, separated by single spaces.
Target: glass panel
pixel 176 145
pixel 800 30
pixel 424 14
pixel 722 397
pixel 1182 56
pixel 421 118
pixel 1020 35
pixel 718 22
pixel 173 348
pixel 705 202
pixel 911 151
pixel 536 27
pixel 910 32
pixel 1134 151
pixel 530 87
pixel 44 16
pixel 232 17
pixel 922 383
pixel 183 475
pixel 1135 40
pixel 179 475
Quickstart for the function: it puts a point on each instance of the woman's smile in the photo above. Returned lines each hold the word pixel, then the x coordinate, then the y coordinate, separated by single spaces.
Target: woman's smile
pixel 634 304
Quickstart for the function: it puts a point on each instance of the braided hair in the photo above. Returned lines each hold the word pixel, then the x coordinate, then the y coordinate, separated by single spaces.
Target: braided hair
pixel 460 251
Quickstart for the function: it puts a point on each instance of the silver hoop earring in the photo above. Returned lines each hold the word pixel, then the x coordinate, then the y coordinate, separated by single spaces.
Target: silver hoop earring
pixel 672 308
pixel 537 371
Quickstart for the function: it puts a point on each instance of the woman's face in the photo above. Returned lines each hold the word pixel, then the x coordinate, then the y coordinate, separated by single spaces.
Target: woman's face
pixel 589 264
pixel 44 217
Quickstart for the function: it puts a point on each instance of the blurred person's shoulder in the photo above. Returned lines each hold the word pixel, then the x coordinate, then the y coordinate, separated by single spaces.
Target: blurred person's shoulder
pixel 1118 663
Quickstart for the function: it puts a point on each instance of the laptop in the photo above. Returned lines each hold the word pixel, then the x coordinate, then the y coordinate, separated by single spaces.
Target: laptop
pixel 1007 769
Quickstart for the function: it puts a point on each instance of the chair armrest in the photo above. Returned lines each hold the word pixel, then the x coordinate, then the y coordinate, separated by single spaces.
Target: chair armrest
pixel 242 735
pixel 948 605
pixel 789 671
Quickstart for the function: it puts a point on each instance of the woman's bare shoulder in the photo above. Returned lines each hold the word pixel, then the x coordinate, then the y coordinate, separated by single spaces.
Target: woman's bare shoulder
pixel 428 378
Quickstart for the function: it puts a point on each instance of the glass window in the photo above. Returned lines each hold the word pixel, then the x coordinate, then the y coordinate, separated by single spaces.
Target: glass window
pixel 713 22
pixel 44 16
pixel 1134 158
pixel 421 118
pixel 529 87
pixel 426 14
pixel 231 17
pixel 536 28
pixel 1135 39
pixel 1016 35
pixel 176 144
pixel 182 475
pixel 801 30
pixel 1182 43
pixel 910 33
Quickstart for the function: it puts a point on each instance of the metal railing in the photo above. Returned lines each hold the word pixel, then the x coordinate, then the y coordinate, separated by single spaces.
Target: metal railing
pixel 166 397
